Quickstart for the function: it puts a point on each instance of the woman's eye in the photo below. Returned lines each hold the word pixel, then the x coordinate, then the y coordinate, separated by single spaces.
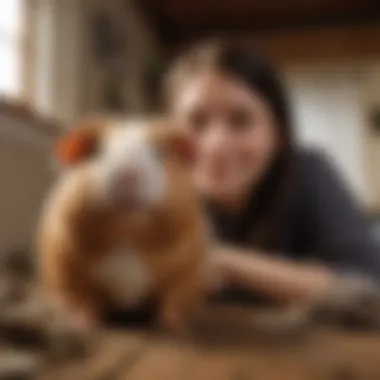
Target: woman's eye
pixel 240 119
pixel 198 121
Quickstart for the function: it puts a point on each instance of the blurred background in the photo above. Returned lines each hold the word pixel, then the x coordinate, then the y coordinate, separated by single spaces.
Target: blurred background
pixel 68 58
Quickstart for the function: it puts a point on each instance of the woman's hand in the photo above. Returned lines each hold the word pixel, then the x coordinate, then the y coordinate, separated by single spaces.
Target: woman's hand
pixel 313 292
pixel 282 280
pixel 215 278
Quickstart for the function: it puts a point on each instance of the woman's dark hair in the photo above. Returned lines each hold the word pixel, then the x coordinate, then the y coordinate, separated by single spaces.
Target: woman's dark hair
pixel 256 74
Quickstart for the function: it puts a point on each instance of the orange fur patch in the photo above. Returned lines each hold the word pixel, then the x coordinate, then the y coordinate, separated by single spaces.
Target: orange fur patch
pixel 80 143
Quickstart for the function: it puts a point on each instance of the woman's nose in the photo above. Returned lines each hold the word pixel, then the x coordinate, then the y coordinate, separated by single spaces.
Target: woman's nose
pixel 216 139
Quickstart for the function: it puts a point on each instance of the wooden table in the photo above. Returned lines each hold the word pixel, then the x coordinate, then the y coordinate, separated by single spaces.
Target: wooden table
pixel 223 354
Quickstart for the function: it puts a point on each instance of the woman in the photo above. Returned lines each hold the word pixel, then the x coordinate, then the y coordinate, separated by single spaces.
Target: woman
pixel 275 207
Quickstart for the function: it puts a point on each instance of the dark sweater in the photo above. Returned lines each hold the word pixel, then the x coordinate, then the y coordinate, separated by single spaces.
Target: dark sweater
pixel 321 220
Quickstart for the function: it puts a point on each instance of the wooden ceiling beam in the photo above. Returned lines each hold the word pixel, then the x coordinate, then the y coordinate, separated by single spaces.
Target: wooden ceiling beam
pixel 178 22
pixel 215 8
pixel 295 21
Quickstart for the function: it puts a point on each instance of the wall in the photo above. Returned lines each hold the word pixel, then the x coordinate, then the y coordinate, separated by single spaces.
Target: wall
pixel 328 114
pixel 56 58
pixel 26 174
pixel 68 79
pixel 370 93
pixel 141 49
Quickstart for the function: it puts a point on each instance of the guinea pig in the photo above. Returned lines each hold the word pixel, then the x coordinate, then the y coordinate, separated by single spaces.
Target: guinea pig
pixel 123 223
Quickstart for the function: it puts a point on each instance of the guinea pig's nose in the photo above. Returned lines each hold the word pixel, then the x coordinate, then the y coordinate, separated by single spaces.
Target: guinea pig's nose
pixel 128 178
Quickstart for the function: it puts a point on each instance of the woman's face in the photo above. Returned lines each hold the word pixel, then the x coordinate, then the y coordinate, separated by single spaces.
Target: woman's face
pixel 234 131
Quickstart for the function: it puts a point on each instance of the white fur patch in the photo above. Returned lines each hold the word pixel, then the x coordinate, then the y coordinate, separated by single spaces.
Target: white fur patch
pixel 126 276
pixel 128 147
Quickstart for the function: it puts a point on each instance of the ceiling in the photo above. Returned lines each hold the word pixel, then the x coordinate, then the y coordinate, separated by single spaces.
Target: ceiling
pixel 179 21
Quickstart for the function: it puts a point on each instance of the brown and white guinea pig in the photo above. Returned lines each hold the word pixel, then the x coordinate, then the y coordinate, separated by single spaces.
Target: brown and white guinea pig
pixel 123 222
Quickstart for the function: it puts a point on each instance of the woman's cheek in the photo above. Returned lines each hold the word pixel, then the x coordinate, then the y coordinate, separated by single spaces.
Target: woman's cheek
pixel 262 145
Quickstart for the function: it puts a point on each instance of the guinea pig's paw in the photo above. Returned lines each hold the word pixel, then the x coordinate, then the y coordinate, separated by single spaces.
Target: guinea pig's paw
pixel 70 335
pixel 172 321
pixel 85 322
pixel 79 323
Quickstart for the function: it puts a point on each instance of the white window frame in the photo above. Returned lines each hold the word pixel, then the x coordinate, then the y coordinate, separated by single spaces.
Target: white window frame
pixel 11 47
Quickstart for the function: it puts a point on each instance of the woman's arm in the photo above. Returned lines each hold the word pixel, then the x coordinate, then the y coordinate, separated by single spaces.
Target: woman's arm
pixel 279 279
pixel 308 293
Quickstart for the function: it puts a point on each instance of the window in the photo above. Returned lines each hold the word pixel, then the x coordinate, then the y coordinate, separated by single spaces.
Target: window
pixel 328 115
pixel 10 47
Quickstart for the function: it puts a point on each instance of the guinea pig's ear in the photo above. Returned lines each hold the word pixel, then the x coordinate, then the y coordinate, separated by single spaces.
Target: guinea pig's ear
pixel 182 145
pixel 79 143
